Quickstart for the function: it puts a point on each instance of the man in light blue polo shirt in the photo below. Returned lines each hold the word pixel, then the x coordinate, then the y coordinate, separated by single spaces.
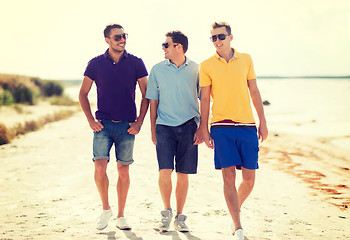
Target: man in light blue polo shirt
pixel 173 90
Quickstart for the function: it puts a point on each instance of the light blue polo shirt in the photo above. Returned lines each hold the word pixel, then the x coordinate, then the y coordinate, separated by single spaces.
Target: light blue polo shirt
pixel 177 90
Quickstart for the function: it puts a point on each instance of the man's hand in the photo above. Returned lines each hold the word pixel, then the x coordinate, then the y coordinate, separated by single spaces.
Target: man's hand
pixel 134 128
pixel 96 125
pixel 154 139
pixel 262 132
pixel 203 135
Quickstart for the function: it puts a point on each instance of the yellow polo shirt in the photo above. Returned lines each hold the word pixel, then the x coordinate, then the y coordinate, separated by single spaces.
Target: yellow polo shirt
pixel 229 86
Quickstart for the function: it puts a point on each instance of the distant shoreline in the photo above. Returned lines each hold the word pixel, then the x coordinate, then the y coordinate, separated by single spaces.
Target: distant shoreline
pixel 278 77
pixel 76 81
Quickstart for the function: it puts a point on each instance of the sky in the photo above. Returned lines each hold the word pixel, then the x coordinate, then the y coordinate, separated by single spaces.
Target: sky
pixel 55 39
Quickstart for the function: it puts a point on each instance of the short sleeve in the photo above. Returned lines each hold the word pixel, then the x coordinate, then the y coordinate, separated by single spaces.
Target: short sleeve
pixel 204 78
pixel 152 87
pixel 141 70
pixel 251 70
pixel 90 70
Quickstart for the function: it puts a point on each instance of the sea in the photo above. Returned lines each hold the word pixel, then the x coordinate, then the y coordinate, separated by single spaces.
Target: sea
pixel 310 106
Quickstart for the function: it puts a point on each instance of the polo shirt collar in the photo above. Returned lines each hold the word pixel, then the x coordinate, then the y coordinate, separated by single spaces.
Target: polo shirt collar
pixel 106 54
pixel 235 54
pixel 187 62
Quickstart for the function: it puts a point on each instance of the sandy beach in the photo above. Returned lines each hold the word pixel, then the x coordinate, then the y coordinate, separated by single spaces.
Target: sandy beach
pixel 48 192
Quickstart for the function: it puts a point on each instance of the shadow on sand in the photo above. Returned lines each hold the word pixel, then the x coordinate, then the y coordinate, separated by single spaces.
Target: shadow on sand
pixel 110 235
pixel 132 236
pixel 175 235
pixel 129 234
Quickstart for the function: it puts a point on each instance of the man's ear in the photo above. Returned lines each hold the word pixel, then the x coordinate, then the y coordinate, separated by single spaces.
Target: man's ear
pixel 181 47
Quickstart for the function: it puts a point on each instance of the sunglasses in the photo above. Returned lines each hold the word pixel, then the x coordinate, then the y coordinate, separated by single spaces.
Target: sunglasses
pixel 166 44
pixel 120 36
pixel 220 36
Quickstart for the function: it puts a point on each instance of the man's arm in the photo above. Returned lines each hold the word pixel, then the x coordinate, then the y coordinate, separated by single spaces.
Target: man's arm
pixel 85 88
pixel 256 99
pixel 136 126
pixel 202 134
pixel 153 117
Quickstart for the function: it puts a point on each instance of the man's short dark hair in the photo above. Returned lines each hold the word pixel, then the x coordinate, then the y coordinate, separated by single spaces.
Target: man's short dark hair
pixel 179 37
pixel 107 31
pixel 222 24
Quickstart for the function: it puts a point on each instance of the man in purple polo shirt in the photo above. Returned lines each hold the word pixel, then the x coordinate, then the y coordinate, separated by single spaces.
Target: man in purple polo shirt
pixel 116 74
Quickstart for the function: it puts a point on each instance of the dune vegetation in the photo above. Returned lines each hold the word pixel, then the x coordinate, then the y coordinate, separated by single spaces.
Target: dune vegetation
pixel 17 92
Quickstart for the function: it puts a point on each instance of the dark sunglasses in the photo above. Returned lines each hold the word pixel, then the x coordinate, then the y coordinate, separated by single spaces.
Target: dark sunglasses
pixel 220 36
pixel 166 44
pixel 120 36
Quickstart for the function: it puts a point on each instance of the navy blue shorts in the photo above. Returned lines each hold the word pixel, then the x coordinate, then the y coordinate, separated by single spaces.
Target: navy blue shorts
pixel 177 142
pixel 238 146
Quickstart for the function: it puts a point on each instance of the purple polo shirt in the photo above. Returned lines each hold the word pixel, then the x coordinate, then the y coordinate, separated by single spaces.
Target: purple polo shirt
pixel 116 85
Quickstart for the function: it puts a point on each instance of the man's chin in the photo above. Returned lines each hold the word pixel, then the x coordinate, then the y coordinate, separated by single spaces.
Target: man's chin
pixel 119 50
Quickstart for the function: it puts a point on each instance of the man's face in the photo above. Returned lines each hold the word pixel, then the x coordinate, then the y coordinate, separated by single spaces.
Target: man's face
pixel 224 44
pixel 117 40
pixel 170 51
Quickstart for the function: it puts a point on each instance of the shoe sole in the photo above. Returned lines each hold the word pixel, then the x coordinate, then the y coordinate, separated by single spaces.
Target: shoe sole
pixel 161 229
pixel 182 230
pixel 124 228
pixel 102 228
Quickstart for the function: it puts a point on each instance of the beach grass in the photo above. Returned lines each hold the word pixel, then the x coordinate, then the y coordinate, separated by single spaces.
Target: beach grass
pixel 19 92
pixel 8 134
pixel 27 90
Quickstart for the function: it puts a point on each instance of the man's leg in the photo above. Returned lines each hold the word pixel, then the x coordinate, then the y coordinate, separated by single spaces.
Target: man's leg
pixel 122 187
pixel 246 187
pixel 181 192
pixel 165 186
pixel 231 195
pixel 102 182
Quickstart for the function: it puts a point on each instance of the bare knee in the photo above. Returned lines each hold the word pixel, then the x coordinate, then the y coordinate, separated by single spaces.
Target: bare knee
pixel 182 177
pixel 229 176
pixel 165 175
pixel 249 182
pixel 249 178
pixel 100 166
pixel 123 171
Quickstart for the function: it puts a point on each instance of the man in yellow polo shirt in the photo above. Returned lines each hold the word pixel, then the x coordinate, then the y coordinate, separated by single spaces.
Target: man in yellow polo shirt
pixel 230 79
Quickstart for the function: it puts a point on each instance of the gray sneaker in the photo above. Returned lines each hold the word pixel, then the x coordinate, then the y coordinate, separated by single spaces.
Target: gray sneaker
pixel 180 224
pixel 167 215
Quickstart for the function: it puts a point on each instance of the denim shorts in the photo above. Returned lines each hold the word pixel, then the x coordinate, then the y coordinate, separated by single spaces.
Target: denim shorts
pixel 114 132
pixel 238 146
pixel 177 142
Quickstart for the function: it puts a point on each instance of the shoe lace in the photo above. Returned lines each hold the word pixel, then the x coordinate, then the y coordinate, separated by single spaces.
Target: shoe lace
pixel 165 219
pixel 182 224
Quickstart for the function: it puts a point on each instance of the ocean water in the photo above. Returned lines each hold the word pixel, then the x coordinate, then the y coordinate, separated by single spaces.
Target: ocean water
pixel 304 106
pixel 309 106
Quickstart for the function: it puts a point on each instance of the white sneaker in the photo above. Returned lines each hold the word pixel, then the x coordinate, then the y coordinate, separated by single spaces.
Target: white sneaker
pixel 102 222
pixel 167 215
pixel 239 235
pixel 180 224
pixel 122 224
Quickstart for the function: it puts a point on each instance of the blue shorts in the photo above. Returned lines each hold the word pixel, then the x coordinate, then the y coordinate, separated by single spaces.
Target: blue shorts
pixel 114 132
pixel 177 142
pixel 236 146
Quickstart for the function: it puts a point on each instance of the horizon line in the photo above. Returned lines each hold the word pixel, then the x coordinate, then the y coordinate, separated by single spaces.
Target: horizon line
pixel 307 76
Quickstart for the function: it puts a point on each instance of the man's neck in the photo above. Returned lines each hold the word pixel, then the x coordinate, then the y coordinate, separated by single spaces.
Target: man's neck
pixel 178 61
pixel 227 54
pixel 115 55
